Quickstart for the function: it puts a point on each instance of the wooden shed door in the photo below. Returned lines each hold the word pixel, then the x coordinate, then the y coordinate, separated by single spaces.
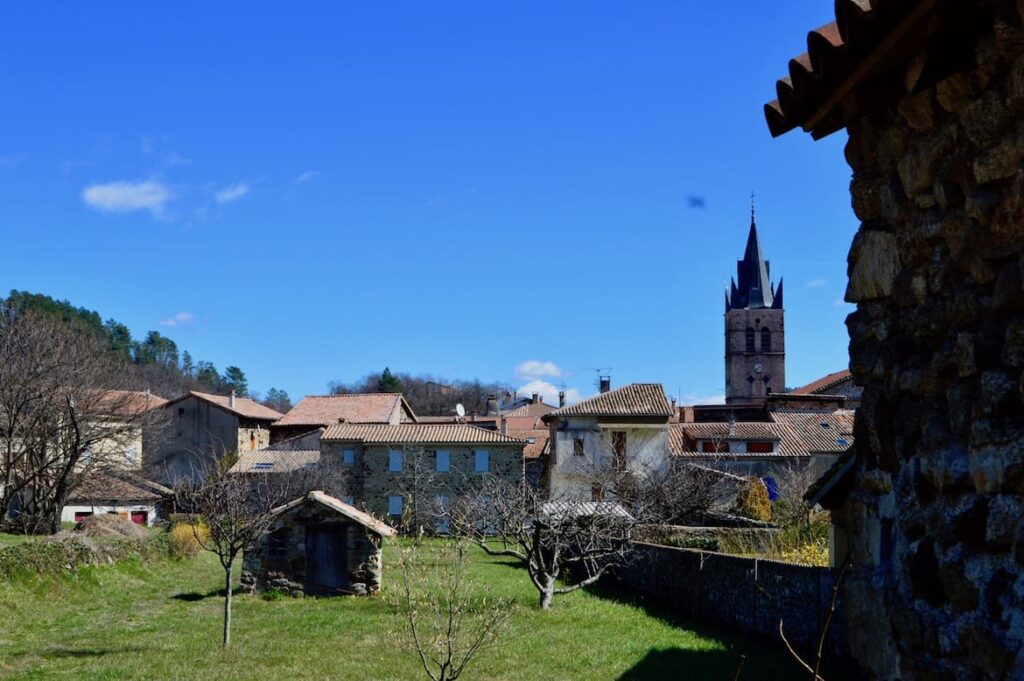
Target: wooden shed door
pixel 326 559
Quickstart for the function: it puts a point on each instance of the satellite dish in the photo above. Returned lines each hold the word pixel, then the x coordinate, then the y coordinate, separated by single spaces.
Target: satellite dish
pixel 460 411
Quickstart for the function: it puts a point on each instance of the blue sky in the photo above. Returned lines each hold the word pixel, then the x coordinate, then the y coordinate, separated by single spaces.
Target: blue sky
pixel 315 192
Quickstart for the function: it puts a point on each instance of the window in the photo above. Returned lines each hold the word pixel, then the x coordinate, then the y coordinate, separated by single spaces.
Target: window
pixel 395 461
pixel 577 447
pixel 531 440
pixel 619 450
pixel 766 340
pixel 481 461
pixel 395 505
pixel 760 447
pixel 711 446
pixel 252 440
pixel 181 411
pixel 750 340
pixel 596 492
pixel 348 456
pixel 444 460
pixel 263 466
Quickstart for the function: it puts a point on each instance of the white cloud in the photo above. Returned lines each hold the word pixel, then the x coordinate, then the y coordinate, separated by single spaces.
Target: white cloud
pixel 549 392
pixel 535 368
pixel 816 283
pixel 125 196
pixel 693 398
pixel 306 176
pixel 232 193
pixel 180 319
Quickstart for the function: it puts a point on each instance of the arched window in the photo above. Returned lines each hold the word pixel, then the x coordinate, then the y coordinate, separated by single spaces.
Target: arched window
pixel 766 340
pixel 750 340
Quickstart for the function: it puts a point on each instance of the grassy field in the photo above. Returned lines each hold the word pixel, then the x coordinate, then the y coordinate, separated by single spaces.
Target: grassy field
pixel 162 620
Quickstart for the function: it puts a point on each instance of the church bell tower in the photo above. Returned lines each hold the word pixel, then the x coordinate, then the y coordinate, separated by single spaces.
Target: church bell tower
pixel 755 341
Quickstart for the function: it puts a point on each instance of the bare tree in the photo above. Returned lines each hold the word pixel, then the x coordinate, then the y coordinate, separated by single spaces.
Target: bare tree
pixel 420 487
pixel 66 409
pixel 449 622
pixel 565 544
pixel 237 510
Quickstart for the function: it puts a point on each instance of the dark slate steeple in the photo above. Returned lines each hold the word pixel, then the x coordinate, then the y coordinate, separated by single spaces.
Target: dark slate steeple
pixel 752 288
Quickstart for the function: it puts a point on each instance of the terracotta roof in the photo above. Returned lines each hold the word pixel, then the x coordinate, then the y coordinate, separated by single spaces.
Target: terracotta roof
pixel 635 399
pixel 275 460
pixel 823 384
pixel 798 434
pixel 243 405
pixel 350 512
pixel 98 488
pixel 830 433
pixel 325 410
pixel 541 440
pixel 411 433
pixel 847 69
pixel 530 409
pixel 128 402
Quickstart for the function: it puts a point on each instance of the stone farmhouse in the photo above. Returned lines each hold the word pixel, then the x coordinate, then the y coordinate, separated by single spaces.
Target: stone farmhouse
pixel 204 426
pixel 930 502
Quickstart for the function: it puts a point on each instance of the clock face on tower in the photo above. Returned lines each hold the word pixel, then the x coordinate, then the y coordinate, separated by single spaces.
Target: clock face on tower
pixel 758 368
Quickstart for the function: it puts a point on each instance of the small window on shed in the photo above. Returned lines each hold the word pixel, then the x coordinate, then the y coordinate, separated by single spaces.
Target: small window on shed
pixel 349 456
pixel 577 447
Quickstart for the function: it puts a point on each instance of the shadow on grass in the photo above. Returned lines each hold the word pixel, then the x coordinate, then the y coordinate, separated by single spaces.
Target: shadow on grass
pixel 193 596
pixel 90 652
pixel 678 663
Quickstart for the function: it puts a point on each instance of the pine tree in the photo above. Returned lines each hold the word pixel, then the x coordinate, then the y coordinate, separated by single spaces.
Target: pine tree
pixel 388 383
pixel 234 379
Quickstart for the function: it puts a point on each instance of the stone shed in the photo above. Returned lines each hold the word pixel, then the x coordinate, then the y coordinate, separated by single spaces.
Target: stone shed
pixel 318 545
pixel 929 507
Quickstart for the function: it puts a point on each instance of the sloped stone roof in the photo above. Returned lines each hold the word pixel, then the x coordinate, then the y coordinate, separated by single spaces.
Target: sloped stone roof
pixel 243 405
pixel 411 433
pixel 340 507
pixel 325 410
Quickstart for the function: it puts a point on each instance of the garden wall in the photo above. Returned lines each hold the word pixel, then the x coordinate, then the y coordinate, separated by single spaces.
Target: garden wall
pixel 746 595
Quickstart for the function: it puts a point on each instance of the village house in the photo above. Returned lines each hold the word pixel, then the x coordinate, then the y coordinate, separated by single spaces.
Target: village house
pixel 125 410
pixel 625 429
pixel 929 502
pixel 319 411
pixel 839 383
pixel 411 470
pixel 203 427
pixel 117 493
pixel 318 544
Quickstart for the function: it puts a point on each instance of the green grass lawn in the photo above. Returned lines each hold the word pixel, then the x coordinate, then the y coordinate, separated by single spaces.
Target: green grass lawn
pixel 163 621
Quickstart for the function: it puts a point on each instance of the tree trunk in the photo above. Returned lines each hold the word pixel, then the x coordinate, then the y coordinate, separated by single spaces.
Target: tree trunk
pixel 227 606
pixel 547 593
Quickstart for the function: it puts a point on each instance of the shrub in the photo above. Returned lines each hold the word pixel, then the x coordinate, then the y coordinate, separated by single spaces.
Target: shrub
pixel 63 552
pixel 813 552
pixel 181 539
pixel 272 595
pixel 753 501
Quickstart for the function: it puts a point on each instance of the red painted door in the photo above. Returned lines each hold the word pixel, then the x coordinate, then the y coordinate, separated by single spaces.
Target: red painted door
pixel 139 517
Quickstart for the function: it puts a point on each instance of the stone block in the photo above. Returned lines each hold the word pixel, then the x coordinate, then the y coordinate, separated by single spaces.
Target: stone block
pixel 874 265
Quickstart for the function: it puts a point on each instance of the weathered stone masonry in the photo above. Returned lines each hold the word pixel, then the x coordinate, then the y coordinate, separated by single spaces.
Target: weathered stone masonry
pixel 937 341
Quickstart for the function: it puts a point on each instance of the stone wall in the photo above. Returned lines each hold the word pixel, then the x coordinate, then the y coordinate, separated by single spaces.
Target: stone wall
pixel 279 561
pixel 746 595
pixel 370 483
pixel 937 341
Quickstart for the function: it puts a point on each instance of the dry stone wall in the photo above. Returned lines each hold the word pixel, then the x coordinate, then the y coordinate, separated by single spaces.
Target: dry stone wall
pixel 937 341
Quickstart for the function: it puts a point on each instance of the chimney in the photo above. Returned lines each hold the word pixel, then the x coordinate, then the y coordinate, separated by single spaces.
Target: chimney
pixel 606 383
pixel 492 405
pixel 231 400
pixel 561 399
pixel 535 398
pixel 673 405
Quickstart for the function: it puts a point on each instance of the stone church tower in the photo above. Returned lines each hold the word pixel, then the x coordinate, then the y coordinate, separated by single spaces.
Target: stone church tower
pixel 755 342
